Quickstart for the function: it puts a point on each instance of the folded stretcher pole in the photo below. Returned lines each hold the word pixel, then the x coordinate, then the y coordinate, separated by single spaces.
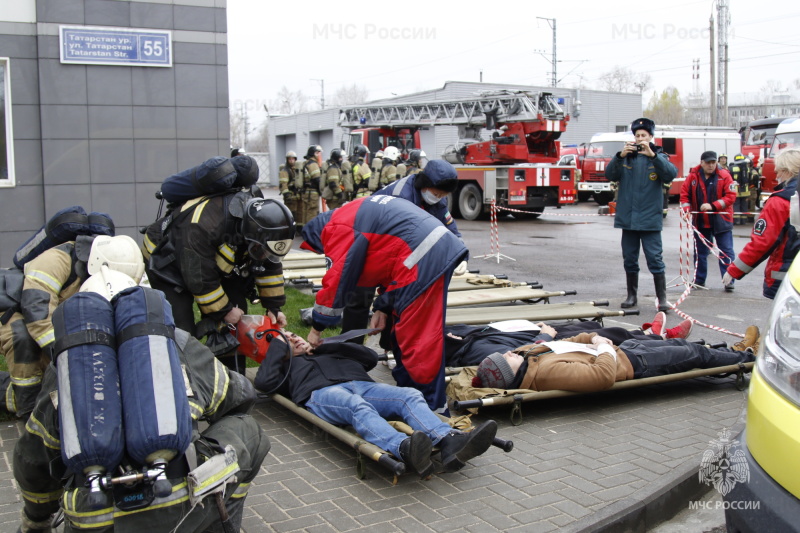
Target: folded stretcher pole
pixel 363 447
pixel 535 313
pixel 505 294
pixel 619 385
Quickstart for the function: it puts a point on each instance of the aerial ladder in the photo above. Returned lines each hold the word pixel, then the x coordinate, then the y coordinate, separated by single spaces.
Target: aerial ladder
pixel 516 165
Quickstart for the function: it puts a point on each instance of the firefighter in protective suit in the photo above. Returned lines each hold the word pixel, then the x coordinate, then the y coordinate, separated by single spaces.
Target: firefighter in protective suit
pixel 389 168
pixel 217 396
pixel 214 251
pixel 377 167
pixel 311 183
pixel 333 190
pixel 290 180
pixel 27 338
pixel 416 162
pixel 742 173
pixel 385 242
pixel 361 173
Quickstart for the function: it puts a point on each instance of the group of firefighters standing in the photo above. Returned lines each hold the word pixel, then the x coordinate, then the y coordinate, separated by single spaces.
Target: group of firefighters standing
pixel 339 179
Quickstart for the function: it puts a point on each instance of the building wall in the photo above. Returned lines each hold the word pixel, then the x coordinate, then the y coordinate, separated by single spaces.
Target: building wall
pixel 599 112
pixel 104 137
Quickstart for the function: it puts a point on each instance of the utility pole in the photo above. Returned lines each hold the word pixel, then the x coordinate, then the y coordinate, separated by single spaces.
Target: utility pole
pixel 322 92
pixel 552 24
pixel 723 24
pixel 712 107
pixel 246 127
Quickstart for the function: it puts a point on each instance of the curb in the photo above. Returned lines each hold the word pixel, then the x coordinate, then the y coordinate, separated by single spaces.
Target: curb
pixel 659 501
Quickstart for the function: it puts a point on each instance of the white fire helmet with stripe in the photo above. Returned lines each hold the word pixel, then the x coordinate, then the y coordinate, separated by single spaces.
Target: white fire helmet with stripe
pixel 120 253
pixel 108 283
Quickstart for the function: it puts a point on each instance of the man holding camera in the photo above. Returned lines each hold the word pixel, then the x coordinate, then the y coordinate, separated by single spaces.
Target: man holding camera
pixel 641 169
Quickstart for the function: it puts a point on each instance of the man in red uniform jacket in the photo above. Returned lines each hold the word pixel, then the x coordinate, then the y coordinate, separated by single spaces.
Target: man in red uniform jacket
pixel 389 243
pixel 710 189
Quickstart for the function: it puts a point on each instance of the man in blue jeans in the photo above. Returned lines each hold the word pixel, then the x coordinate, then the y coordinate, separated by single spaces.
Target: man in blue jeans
pixel 710 192
pixel 332 382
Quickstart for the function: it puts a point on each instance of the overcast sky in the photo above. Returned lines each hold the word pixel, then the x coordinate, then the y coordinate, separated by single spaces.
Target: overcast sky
pixel 409 46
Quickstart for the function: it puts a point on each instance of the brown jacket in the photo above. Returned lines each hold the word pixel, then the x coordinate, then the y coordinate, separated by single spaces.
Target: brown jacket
pixel 573 371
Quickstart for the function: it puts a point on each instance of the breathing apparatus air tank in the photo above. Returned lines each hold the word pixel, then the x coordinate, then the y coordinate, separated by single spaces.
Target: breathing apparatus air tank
pixel 158 422
pixel 89 402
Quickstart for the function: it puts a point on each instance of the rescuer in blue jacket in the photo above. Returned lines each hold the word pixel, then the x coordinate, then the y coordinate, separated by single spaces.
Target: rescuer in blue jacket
pixel 385 242
pixel 641 169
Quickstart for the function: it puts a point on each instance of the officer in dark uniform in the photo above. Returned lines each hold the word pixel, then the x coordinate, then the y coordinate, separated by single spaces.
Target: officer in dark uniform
pixel 213 252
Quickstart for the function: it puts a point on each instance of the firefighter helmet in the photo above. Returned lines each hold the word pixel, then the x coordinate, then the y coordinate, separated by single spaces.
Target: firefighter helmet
pixel 391 153
pixel 291 153
pixel 415 156
pixel 379 154
pixel 337 155
pixel 312 150
pixel 739 157
pixel 361 151
pixel 268 229
pixel 120 253
pixel 107 282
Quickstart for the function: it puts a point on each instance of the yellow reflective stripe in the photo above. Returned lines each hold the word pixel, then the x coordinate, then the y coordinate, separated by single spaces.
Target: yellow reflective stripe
pixel 198 211
pixel 35 427
pixel 105 517
pixel 221 382
pixel 241 490
pixel 268 292
pixel 148 244
pixel 209 296
pixel 215 306
pixel 227 252
pixel 46 338
pixel 42 497
pixel 223 264
pixel 222 474
pixel 45 278
pixel 225 258
pixel 270 280
pixel 197 410
pixel 11 400
pixel 26 382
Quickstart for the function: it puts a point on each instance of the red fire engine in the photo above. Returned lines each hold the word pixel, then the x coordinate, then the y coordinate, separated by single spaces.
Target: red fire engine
pixel 757 138
pixel 516 165
pixel 684 144
pixel 787 135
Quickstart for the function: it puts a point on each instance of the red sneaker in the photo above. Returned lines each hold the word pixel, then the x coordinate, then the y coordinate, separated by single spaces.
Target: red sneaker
pixel 681 331
pixel 657 325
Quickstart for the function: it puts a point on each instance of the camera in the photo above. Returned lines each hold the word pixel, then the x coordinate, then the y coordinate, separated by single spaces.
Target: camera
pixel 639 147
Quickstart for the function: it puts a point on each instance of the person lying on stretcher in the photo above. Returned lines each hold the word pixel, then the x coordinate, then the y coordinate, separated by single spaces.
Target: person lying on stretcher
pixel 332 382
pixel 593 363
pixel 469 345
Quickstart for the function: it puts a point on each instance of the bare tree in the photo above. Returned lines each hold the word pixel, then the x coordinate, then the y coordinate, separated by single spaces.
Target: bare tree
pixel 624 80
pixel 666 108
pixel 289 102
pixel 350 94
pixel 237 120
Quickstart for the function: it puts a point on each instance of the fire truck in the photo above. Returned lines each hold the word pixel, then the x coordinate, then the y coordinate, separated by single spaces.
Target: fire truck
pixel 787 135
pixel 507 148
pixel 683 144
pixel 757 138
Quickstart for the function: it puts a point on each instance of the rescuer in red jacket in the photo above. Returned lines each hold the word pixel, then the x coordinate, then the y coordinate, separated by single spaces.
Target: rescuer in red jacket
pixel 389 243
pixel 710 189
pixel 773 235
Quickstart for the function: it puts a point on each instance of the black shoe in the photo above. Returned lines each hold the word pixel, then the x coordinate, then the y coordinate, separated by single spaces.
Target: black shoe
pixel 458 448
pixel 415 451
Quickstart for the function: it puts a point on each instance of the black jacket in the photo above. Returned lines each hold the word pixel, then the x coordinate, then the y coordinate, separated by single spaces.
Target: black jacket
pixel 337 362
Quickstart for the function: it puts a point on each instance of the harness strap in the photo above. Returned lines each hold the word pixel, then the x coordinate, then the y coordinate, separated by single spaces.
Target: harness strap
pixel 79 338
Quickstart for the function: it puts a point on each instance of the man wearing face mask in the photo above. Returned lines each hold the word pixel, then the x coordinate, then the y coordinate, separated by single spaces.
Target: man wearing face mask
pixel 427 189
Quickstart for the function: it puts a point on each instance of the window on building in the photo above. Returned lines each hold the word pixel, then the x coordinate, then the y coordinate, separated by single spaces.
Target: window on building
pixel 6 133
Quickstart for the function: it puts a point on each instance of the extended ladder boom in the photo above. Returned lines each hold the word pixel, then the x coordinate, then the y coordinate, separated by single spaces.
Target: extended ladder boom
pixel 488 109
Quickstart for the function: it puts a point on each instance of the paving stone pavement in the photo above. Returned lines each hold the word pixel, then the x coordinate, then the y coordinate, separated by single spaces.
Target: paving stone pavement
pixel 573 458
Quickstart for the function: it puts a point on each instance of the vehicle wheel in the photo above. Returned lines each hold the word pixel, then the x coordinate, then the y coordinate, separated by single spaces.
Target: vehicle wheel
pixel 602 198
pixel 584 196
pixel 470 202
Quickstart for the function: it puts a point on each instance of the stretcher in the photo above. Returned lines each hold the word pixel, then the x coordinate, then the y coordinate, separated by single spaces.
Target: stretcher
pixel 467 397
pixel 470 282
pixel 363 448
pixel 524 293
pixel 534 313
pixel 307 273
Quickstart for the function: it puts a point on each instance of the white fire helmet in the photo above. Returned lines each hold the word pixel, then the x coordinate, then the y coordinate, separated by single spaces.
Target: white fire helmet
pixel 120 253
pixel 107 283
pixel 391 153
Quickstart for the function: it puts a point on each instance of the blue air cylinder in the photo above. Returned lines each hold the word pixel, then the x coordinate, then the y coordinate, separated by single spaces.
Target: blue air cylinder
pixel 89 402
pixel 158 422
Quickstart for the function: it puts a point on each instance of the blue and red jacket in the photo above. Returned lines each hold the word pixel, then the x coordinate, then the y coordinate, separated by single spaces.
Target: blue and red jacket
pixel 773 237
pixel 694 194
pixel 406 188
pixel 379 241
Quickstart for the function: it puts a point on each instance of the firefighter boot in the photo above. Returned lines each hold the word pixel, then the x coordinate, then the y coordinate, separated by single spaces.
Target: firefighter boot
pixel 633 286
pixel 660 281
